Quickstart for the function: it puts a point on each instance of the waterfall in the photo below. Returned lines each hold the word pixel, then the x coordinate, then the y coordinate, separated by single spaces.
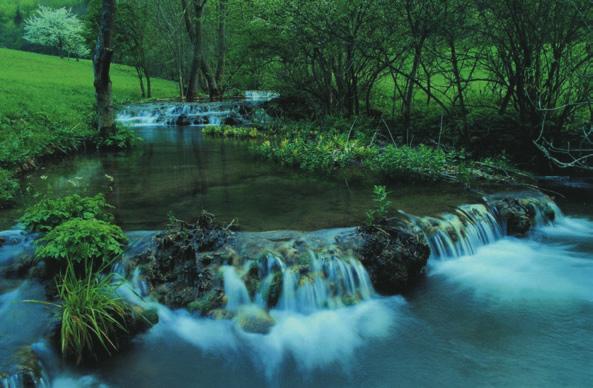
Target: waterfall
pixel 323 282
pixel 198 114
pixel 461 233
pixel 234 289
pixel 470 227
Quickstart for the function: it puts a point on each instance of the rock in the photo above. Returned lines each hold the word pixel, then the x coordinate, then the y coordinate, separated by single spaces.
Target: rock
pixel 2 241
pixel 394 256
pixel 254 320
pixel 522 212
pixel 182 121
pixel 182 267
pixel 27 370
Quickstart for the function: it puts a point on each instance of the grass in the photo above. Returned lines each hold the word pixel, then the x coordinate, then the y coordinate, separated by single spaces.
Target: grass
pixel 91 313
pixel 46 108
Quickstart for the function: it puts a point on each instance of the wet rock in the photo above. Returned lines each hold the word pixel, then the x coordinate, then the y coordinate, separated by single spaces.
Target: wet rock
pixel 394 255
pixel 27 371
pixel 182 267
pixel 523 212
pixel 182 121
pixel 254 320
pixel 2 241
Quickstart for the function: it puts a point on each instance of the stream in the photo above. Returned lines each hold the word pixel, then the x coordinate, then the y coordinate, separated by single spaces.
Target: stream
pixel 492 311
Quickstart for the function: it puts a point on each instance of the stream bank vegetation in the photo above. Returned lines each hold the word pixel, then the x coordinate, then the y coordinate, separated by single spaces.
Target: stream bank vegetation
pixel 76 254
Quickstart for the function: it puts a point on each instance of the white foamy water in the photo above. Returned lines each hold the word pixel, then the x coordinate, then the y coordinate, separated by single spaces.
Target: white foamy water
pixel 527 269
pixel 313 341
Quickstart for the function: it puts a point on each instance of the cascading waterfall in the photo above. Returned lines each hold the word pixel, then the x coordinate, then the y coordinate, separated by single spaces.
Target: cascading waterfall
pixel 194 113
pixel 325 282
pixel 461 233
pixel 470 227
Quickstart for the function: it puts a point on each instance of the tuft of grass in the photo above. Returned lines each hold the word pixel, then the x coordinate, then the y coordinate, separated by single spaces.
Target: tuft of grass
pixel 91 314
pixel 49 213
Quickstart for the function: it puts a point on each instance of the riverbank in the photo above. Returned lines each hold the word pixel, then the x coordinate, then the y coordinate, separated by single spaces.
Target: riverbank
pixel 46 111
pixel 327 150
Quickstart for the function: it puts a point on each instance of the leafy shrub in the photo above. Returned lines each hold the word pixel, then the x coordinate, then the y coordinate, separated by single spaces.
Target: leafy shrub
pixel 49 213
pixel 91 314
pixel 83 243
pixel 8 187
pixel 382 205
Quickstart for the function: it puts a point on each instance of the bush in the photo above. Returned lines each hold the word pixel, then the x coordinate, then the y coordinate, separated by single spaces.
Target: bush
pixel 92 315
pixel 83 243
pixel 8 187
pixel 49 213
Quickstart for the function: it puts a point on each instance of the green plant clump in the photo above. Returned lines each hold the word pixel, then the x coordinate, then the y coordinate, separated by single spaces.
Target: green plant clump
pixel 8 187
pixel 49 213
pixel 382 205
pixel 230 131
pixel 92 315
pixel 84 243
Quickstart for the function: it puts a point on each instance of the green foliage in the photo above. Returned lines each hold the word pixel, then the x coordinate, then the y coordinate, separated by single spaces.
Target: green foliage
pixel 91 314
pixel 422 161
pixel 230 131
pixel 382 205
pixel 122 139
pixel 83 243
pixel 8 187
pixel 49 213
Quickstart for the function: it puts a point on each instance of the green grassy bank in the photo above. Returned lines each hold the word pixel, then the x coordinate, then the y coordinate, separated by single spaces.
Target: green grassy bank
pixel 46 108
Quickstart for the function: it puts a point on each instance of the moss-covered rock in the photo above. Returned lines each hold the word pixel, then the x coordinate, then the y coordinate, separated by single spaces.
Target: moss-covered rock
pixel 394 254
pixel 254 320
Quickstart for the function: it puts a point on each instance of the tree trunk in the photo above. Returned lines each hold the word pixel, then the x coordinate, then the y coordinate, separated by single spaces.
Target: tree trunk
pixel 141 79
pixel 101 66
pixel 148 85
pixel 221 49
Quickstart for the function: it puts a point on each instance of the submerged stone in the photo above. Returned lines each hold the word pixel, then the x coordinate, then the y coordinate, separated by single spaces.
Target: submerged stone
pixel 254 320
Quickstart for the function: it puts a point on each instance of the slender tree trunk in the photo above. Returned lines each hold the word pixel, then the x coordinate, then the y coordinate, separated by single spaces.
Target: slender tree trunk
pixel 148 85
pixel 409 97
pixel 101 66
pixel 141 79
pixel 221 48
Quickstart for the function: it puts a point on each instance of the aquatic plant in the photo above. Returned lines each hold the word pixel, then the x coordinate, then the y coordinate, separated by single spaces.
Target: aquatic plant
pixel 81 243
pixel 382 205
pixel 49 213
pixel 91 314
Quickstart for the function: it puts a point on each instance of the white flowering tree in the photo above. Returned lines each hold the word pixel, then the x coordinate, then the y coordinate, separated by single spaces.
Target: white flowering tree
pixel 57 28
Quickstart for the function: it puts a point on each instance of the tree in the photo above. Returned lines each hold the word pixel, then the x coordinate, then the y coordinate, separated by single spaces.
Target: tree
pixel 57 28
pixel 101 64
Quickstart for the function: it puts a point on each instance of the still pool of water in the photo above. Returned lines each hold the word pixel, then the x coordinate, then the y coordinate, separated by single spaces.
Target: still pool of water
pixel 180 171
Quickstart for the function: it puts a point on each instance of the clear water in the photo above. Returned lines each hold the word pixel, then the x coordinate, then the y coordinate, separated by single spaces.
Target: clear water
pixel 180 171
pixel 501 312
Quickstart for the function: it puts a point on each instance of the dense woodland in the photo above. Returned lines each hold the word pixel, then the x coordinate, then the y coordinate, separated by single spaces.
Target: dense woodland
pixel 490 77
